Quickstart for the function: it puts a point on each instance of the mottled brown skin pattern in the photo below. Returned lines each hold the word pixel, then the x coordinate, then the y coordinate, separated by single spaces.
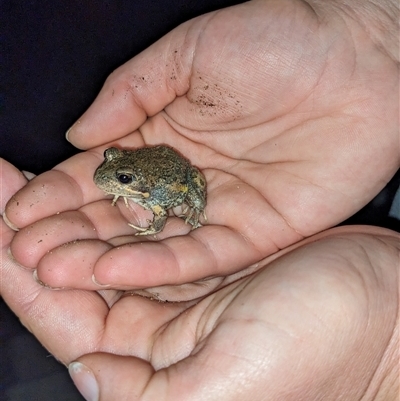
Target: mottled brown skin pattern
pixel 157 178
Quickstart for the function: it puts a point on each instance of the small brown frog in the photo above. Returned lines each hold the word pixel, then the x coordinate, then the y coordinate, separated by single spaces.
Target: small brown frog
pixel 157 178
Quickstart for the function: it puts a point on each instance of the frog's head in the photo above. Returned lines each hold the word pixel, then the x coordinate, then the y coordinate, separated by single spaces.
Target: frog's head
pixel 116 176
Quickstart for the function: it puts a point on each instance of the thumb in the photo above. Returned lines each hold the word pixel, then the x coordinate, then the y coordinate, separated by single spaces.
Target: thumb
pixel 107 377
pixel 141 87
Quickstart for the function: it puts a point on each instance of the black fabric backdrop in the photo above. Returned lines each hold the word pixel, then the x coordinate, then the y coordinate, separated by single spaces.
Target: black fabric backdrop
pixel 56 56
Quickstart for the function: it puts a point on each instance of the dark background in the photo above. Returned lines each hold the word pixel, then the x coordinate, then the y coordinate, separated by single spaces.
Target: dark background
pixel 55 57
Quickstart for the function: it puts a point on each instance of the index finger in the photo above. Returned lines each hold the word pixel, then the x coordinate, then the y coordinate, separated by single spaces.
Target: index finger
pixel 66 187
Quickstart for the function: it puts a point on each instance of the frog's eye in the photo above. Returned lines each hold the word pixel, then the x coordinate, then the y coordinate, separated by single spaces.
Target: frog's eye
pixel 125 178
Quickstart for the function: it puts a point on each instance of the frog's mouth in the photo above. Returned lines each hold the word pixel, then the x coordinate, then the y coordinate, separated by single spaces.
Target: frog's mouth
pixel 138 194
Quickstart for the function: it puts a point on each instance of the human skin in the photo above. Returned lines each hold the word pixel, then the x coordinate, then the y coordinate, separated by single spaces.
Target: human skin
pixel 293 118
pixel 318 320
pixel 295 128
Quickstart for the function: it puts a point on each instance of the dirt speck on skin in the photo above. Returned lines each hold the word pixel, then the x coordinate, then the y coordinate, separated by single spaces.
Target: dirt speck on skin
pixel 215 99
pixel 137 82
pixel 174 66
pixel 204 101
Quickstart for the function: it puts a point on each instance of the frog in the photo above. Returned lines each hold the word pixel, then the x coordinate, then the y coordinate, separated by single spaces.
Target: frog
pixel 157 178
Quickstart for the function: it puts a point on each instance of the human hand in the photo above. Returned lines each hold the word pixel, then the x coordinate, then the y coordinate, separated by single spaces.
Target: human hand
pixel 293 124
pixel 318 320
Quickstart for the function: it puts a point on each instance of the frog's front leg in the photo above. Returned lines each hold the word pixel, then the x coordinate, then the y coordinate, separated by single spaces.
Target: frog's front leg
pixel 155 226
pixel 114 201
pixel 116 197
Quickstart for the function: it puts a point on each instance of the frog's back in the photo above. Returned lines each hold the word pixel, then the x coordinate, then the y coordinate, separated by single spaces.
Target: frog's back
pixel 160 164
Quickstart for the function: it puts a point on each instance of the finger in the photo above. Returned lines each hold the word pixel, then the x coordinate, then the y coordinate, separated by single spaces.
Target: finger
pixel 11 181
pixel 210 251
pixel 64 245
pixel 98 220
pixel 95 264
pixel 71 323
pixel 33 242
pixel 106 377
pixel 138 89
pixel 37 307
pixel 302 303
pixel 66 187
pixel 57 318
pixel 54 191
pixel 226 244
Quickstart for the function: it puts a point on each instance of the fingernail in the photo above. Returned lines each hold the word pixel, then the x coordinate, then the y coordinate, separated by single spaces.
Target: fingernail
pixel 69 130
pixel 28 175
pixel 99 284
pixel 37 279
pixel 84 381
pixel 8 222
pixel 67 134
pixel 11 256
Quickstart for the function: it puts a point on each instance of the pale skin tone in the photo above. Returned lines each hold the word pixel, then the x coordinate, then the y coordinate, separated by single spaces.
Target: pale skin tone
pixel 293 118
